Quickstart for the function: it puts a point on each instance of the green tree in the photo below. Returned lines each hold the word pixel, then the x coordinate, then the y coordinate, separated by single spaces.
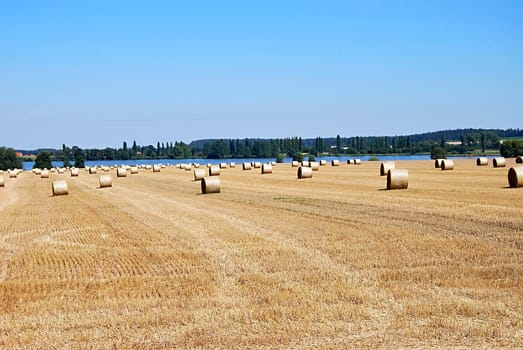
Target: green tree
pixel 438 153
pixel 43 160
pixel 338 144
pixel 8 159
pixel 79 160
pixel 482 142
pixel 511 148
pixel 279 158
pixel 298 156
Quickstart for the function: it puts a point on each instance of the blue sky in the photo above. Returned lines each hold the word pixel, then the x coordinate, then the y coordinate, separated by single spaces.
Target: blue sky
pixel 96 73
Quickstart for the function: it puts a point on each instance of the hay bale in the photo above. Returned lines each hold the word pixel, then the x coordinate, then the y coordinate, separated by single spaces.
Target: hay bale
pixel 156 168
pixel 148 167
pixel 437 163
pixel 210 185
pixel 266 169
pixel 498 162
pixel 106 181
pixel 2 181
pixel 232 165
pixel 356 161
pixel 121 172
pixel 335 162
pixel 315 166
pixel 44 174
pixel 304 172
pixel 246 166
pixel 481 161
pixel 37 171
pixel 519 159
pixel 447 164
pixel 306 163
pixel 257 165
pixel 349 161
pixel 323 162
pixel 295 164
pixel 13 174
pixel 397 179
pixel 214 170
pixel 223 165
pixel 199 174
pixel 134 170
pixel 75 172
pixel 61 170
pixel 60 188
pixel 188 167
pixel 515 176
pixel 92 170
pixel 385 167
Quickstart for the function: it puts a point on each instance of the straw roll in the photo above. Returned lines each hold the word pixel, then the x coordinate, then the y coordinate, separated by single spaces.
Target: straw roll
pixel 335 162
pixel 44 174
pixel 2 181
pixel 210 185
pixel 437 163
pixel 481 161
pixel 75 171
pixel 106 181
pixel 121 172
pixel 214 170
pixel 304 172
pixel 199 174
pixel 447 164
pixel 397 179
pixel 498 162
pixel 60 188
pixel 266 169
pixel 246 166
pixel 385 167
pixel 515 176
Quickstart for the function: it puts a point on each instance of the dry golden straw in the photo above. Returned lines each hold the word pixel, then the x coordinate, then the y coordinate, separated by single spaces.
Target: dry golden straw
pixel 266 169
pixel 295 163
pixel 335 162
pixel 515 176
pixel 199 174
pixel 246 166
pixel 92 170
pixel 315 166
pixel 232 165
pixel 121 172
pixel 44 174
pixel 156 168
pixel 498 162
pixel 214 170
pixel 75 172
pixel 210 185
pixel 13 174
pixel 323 162
pixel 385 167
pixel 397 179
pixel 223 165
pixel 105 181
pixel 481 161
pixel 60 188
pixel 304 172
pixel 134 170
pixel 447 164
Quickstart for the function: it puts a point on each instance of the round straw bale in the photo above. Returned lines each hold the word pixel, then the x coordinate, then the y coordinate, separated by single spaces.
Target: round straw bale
pixel 13 174
pixel 2 181
pixel 188 167
pixel 246 166
pixel 519 159
pixel 210 185
pixel 306 163
pixel 37 171
pixel 295 163
pixel 223 165
pixel 44 174
pixel 199 174
pixel 266 168
pixel 53 170
pixel 92 170
pixel 323 162
pixel 335 162
pixel 75 171
pixel 214 170
pixel 304 172
pixel 121 172
pixel 60 188
pixel 315 166
pixel 148 167
pixel 349 161
pixel 163 166
pixel 498 162
pixel 447 164
pixel 397 179
pixel 257 165
pixel 273 163
pixel 437 163
pixel 356 161
pixel 134 170
pixel 481 161
pixel 515 176
pixel 156 168
pixel 106 181
pixel 232 165
pixel 61 170
pixel 385 167
pixel 196 165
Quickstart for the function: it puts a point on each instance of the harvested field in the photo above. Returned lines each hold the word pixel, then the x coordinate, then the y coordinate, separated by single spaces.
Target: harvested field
pixel 270 262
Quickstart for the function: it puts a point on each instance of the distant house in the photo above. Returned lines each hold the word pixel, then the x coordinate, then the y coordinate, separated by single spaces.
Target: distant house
pixel 19 154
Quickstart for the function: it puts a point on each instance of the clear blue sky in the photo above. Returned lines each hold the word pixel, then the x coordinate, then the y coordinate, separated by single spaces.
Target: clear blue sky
pixel 96 73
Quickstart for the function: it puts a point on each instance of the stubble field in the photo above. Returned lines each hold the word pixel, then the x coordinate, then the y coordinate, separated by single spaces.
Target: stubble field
pixel 334 261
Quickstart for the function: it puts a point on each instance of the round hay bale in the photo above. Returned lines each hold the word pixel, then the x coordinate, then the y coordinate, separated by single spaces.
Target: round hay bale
pixel 92 170
pixel 223 165
pixel 199 174
pixel 397 179
pixel 335 162
pixel 232 165
pixel 498 162
pixel 515 176
pixel 214 170
pixel 2 181
pixel 306 163
pixel 266 169
pixel 323 162
pixel 148 167
pixel 519 159
pixel 13 174
pixel 357 161
pixel 188 167
pixel 481 161
pixel 75 171
pixel 106 181
pixel 163 166
pixel 53 170
pixel 437 163
pixel 210 185
pixel 44 174
pixel 304 172
pixel 349 161
pixel 315 166
pixel 37 171
pixel 246 166
pixel 295 164
pixel 121 172
pixel 273 163
pixel 134 170
pixel 385 167
pixel 257 165
pixel 447 164
pixel 60 188
pixel 196 165
pixel 156 168
pixel 61 170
